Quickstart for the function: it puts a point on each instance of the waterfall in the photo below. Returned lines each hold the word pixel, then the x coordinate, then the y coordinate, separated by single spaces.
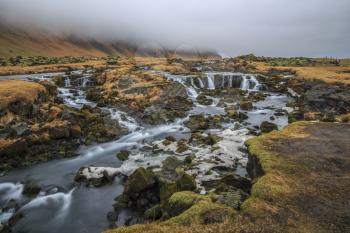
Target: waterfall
pixel 223 81
pixel 231 80
pixel 192 92
pixel 193 84
pixel 201 84
pixel 67 82
pixel 245 83
pixel 257 85
pixel 211 81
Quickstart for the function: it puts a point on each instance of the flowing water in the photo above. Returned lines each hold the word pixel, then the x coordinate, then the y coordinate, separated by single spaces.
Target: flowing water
pixel 64 206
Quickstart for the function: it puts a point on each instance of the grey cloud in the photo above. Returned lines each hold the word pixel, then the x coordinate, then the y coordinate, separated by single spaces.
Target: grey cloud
pixel 263 27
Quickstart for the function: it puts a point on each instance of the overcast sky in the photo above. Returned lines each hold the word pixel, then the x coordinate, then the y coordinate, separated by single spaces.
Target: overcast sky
pixel 232 27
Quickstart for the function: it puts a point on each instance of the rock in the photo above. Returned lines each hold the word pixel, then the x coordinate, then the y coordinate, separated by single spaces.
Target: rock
pixel 170 138
pixel 237 182
pixel 180 202
pixel 188 160
pixel 181 146
pixel 123 155
pixel 202 99
pixel 59 131
pixel 31 189
pixel 328 117
pixel 13 147
pixel 153 213
pixel 187 208
pixel 139 181
pixel 312 116
pixel 246 105
pixel 197 122
pixel 242 116
pixel 96 176
pixel 186 183
pixel 166 189
pixel 75 131
pixel 267 127
pixel 120 202
pixel 112 216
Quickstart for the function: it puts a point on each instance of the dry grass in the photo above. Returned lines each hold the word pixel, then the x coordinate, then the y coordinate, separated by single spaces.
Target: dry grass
pixel 49 68
pixel 330 74
pixel 17 90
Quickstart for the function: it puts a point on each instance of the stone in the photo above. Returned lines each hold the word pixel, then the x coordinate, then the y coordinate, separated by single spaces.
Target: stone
pixel 31 189
pixel 96 176
pixel 153 213
pixel 246 105
pixel 123 155
pixel 139 181
pixel 237 182
pixel 267 127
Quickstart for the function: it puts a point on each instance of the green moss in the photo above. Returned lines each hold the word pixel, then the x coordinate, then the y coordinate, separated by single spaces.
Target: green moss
pixel 138 181
pixel 203 212
pixel 153 213
pixel 123 155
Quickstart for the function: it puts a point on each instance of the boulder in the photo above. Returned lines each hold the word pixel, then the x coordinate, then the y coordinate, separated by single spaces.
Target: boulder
pixel 267 127
pixel 246 105
pixel 139 181
pixel 31 189
pixel 123 155
pixel 197 122
pixel 153 213
pixel 237 182
pixel 96 176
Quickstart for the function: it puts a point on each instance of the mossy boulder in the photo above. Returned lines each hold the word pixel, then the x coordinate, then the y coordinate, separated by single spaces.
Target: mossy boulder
pixel 202 99
pixel 123 155
pixel 120 202
pixel 139 181
pixel 31 189
pixel 267 127
pixel 246 105
pixel 196 209
pixel 197 122
pixel 182 146
pixel 180 202
pixel 238 182
pixel 186 182
pixel 153 213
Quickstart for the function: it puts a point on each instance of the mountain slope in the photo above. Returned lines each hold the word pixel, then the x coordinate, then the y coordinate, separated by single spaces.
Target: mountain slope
pixel 15 42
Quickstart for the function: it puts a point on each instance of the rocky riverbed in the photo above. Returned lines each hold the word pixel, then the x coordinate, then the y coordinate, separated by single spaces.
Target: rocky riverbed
pixel 134 144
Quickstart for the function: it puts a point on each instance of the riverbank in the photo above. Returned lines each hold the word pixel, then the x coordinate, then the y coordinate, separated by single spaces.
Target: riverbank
pixel 297 174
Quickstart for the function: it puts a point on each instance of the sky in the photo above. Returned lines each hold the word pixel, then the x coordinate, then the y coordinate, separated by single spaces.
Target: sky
pixel 313 28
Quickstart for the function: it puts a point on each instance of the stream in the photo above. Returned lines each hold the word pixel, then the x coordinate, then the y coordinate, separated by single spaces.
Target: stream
pixel 65 206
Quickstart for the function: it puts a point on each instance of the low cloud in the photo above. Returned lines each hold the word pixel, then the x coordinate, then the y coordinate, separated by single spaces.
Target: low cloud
pixel 232 27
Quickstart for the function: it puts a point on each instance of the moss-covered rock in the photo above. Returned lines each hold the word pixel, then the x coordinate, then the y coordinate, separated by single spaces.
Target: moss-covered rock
pixel 267 127
pixel 202 212
pixel 180 202
pixel 185 182
pixel 246 105
pixel 153 213
pixel 123 155
pixel 139 181
pixel 197 122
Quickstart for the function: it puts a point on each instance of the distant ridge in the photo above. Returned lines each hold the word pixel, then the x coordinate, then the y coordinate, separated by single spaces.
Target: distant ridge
pixel 19 42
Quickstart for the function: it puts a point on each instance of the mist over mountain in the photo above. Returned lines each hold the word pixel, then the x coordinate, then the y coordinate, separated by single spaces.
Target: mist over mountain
pixel 264 27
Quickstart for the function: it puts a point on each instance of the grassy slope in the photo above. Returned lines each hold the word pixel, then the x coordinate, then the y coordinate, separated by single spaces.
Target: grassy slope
pixel 17 90
pixel 305 187
pixel 329 74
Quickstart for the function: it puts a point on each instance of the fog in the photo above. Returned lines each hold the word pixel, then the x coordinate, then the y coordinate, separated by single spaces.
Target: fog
pixel 313 28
